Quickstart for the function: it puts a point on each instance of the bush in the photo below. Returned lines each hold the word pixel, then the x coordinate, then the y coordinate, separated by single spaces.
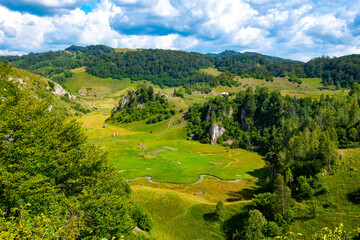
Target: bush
pixel 305 190
pixel 143 220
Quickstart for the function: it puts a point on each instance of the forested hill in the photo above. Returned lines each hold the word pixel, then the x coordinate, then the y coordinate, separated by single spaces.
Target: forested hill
pixel 162 67
pixel 342 71
pixel 175 68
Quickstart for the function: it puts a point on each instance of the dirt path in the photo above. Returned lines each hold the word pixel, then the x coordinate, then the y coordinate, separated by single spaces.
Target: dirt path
pixel 201 178
pixel 236 160
pixel 168 126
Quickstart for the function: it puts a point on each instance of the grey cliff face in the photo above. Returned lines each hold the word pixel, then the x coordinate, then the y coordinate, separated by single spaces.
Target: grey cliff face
pixel 215 133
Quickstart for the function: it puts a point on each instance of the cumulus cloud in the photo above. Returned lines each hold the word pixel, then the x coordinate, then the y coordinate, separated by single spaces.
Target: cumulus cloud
pixel 8 31
pixel 299 29
pixel 42 7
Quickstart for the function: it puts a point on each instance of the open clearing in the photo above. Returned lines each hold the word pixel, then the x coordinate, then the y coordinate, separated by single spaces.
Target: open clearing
pixel 166 157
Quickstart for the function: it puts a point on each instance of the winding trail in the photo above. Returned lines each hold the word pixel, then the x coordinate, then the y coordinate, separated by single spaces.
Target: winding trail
pixel 235 160
pixel 201 178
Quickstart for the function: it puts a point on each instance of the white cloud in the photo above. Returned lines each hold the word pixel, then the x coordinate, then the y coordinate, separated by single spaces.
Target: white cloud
pixel 9 52
pixel 51 3
pixel 165 9
pixel 293 28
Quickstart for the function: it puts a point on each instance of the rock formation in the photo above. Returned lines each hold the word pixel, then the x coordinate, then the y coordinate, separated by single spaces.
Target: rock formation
pixel 215 133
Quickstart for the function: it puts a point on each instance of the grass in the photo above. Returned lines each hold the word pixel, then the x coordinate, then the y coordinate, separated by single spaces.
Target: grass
pixel 209 191
pixel 316 94
pixel 178 217
pixel 211 71
pixel 125 50
pixel 313 83
pixel 175 160
pixel 177 210
pixel 80 81
pixel 334 208
pixel 38 86
pixel 162 151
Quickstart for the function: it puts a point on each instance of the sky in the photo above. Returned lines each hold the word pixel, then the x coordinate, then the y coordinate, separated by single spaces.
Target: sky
pixel 293 29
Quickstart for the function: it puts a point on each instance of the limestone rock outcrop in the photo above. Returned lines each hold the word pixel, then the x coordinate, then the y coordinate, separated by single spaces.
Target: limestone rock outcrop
pixel 216 132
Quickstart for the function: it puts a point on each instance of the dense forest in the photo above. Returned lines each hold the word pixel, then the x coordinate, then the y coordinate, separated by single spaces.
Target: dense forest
pixel 53 184
pixel 341 72
pixel 179 68
pixel 161 67
pixel 298 137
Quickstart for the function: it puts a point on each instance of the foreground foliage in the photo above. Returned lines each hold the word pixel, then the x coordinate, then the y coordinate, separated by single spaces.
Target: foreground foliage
pixel 53 184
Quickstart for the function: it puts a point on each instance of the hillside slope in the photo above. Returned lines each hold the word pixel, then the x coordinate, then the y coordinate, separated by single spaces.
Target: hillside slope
pixel 60 101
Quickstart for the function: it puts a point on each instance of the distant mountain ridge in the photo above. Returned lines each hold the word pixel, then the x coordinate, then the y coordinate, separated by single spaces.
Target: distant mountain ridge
pixel 227 53
pixel 180 68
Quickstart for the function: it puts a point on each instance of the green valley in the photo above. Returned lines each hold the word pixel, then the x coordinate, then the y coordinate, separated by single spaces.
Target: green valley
pixel 201 146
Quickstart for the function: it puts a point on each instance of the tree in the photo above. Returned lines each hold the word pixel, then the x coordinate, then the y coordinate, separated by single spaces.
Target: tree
pixel 289 178
pixel 255 226
pixel 283 200
pixel 219 211
pixel 327 150
pixel 305 190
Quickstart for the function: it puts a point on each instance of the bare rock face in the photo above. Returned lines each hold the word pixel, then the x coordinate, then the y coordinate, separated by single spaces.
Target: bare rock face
pixel 125 100
pixel 231 112
pixel 215 133
pixel 58 90
pixel 208 115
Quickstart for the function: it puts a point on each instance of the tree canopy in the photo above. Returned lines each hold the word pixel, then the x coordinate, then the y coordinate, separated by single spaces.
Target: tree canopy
pixel 53 183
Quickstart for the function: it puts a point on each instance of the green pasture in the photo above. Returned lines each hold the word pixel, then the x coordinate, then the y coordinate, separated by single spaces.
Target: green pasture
pixel 80 81
pixel 162 150
pixel 315 94
pixel 172 159
pixel 313 83
pixel 178 217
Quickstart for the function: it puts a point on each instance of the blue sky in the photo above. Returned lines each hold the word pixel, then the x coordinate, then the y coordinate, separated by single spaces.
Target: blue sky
pixel 295 29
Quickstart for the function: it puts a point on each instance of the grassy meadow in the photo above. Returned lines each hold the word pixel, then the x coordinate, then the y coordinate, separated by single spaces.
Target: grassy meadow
pixel 160 150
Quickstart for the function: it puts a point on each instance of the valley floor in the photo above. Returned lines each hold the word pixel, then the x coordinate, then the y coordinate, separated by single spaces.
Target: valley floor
pixel 187 178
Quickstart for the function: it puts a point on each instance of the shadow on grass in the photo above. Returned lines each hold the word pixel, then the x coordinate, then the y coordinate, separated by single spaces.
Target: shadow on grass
pixel 354 197
pixel 211 217
pixel 244 194
pixel 258 173
pixel 234 226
